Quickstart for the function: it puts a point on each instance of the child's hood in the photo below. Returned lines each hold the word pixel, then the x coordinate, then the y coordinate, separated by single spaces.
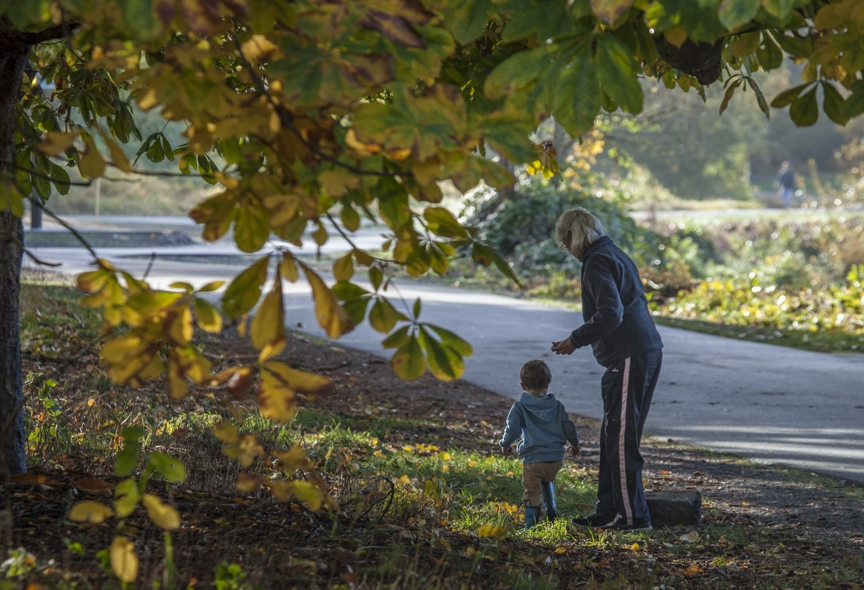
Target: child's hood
pixel 545 408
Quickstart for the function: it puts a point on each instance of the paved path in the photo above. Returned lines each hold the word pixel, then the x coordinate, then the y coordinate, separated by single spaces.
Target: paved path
pixel 769 403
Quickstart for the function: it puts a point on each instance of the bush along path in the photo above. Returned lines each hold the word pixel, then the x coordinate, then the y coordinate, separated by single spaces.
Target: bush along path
pixel 417 497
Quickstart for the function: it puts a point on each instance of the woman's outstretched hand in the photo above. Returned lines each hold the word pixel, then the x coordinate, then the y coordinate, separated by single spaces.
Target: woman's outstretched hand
pixel 563 347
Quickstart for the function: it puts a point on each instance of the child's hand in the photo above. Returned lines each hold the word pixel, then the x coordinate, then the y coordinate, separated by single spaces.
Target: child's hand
pixel 507 451
pixel 574 451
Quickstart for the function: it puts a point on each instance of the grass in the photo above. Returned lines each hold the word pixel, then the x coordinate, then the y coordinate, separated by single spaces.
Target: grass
pixel 426 503
pixel 816 341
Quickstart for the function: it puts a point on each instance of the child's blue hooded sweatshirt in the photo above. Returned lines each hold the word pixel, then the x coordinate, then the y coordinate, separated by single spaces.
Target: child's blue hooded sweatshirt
pixel 544 426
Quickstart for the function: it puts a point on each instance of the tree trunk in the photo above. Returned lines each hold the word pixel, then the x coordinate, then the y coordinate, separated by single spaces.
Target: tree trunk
pixel 13 459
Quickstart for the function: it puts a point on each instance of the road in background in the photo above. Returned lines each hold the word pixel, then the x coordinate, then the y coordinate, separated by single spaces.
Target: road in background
pixel 765 402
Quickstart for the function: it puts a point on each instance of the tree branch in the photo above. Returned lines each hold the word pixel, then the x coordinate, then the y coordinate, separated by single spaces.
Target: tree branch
pixel 74 232
pixel 11 37
pixel 41 262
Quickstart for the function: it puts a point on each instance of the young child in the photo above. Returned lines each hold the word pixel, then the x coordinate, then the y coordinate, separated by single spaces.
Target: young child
pixel 544 426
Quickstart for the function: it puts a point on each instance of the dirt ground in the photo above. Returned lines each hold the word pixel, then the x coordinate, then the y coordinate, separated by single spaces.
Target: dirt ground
pixel 734 492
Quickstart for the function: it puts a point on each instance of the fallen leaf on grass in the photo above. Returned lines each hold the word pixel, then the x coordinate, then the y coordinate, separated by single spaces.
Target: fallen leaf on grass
pixel 93 486
pixel 30 479
pixel 690 537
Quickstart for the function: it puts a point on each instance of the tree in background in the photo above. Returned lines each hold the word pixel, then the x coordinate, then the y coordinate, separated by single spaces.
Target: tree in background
pixel 332 111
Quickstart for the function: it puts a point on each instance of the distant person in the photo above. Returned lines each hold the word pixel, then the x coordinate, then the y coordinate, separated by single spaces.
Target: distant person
pixel 622 334
pixel 785 183
pixel 542 423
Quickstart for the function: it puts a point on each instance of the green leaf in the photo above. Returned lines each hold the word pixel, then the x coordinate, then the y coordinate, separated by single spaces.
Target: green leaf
pixel 250 229
pixel 245 290
pixel 126 496
pixel 517 71
pixel 461 347
pixel 610 11
pixel 171 469
pixel 443 361
pixel 834 105
pixel 126 460
pixel 408 362
pixel 787 97
pixel 397 339
pixel 61 182
pixel 805 110
pixel 545 18
pixel 782 9
pixel 486 255
pixel 132 434
pixel 442 223
pixel 795 46
pixel 383 316
pixel 769 53
pixel 615 70
pixel 469 19
pixel 578 97
pixel 41 184
pixel 735 13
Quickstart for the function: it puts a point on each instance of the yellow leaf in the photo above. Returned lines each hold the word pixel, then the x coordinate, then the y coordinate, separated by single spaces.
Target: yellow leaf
pixel 634 547
pixel 124 562
pixel 343 269
pixel 90 511
pixel 444 456
pixel 225 432
pixel 690 537
pixel 408 361
pixel 175 381
pixel 91 164
pixel 377 454
pixel 383 316
pixel 247 483
pixel 93 281
pixel 426 172
pixel 485 530
pixel 283 208
pixel 258 46
pixel 268 324
pixel 275 401
pixel 56 142
pixel 677 35
pixel 352 142
pixel 293 459
pixel 272 348
pixel 163 515
pixel 330 314
pixel 472 463
pixel 207 317
pixel 308 493
pixel 337 182
pixel 560 550
pixel 288 268
pixel 179 325
pixel 300 381
pixel 117 153
pixel 281 489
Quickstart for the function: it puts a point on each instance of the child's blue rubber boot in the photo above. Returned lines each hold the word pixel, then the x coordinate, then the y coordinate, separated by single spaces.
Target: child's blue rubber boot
pixel 532 515
pixel 549 501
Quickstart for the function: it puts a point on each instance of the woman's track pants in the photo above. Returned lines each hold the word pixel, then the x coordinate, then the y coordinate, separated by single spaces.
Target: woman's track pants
pixel 627 387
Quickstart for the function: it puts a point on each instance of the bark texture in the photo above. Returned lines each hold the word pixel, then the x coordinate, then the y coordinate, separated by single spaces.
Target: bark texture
pixel 13 459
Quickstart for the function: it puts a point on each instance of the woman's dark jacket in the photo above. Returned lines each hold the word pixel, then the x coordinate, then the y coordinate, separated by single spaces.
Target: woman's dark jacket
pixel 617 322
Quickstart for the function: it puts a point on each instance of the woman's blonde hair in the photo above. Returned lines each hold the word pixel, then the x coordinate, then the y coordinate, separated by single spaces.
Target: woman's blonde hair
pixel 584 227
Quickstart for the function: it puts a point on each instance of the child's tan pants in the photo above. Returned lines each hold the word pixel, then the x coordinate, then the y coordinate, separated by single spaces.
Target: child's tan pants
pixel 533 476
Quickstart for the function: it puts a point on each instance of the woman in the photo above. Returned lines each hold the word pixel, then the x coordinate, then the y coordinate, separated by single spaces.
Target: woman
pixel 619 328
